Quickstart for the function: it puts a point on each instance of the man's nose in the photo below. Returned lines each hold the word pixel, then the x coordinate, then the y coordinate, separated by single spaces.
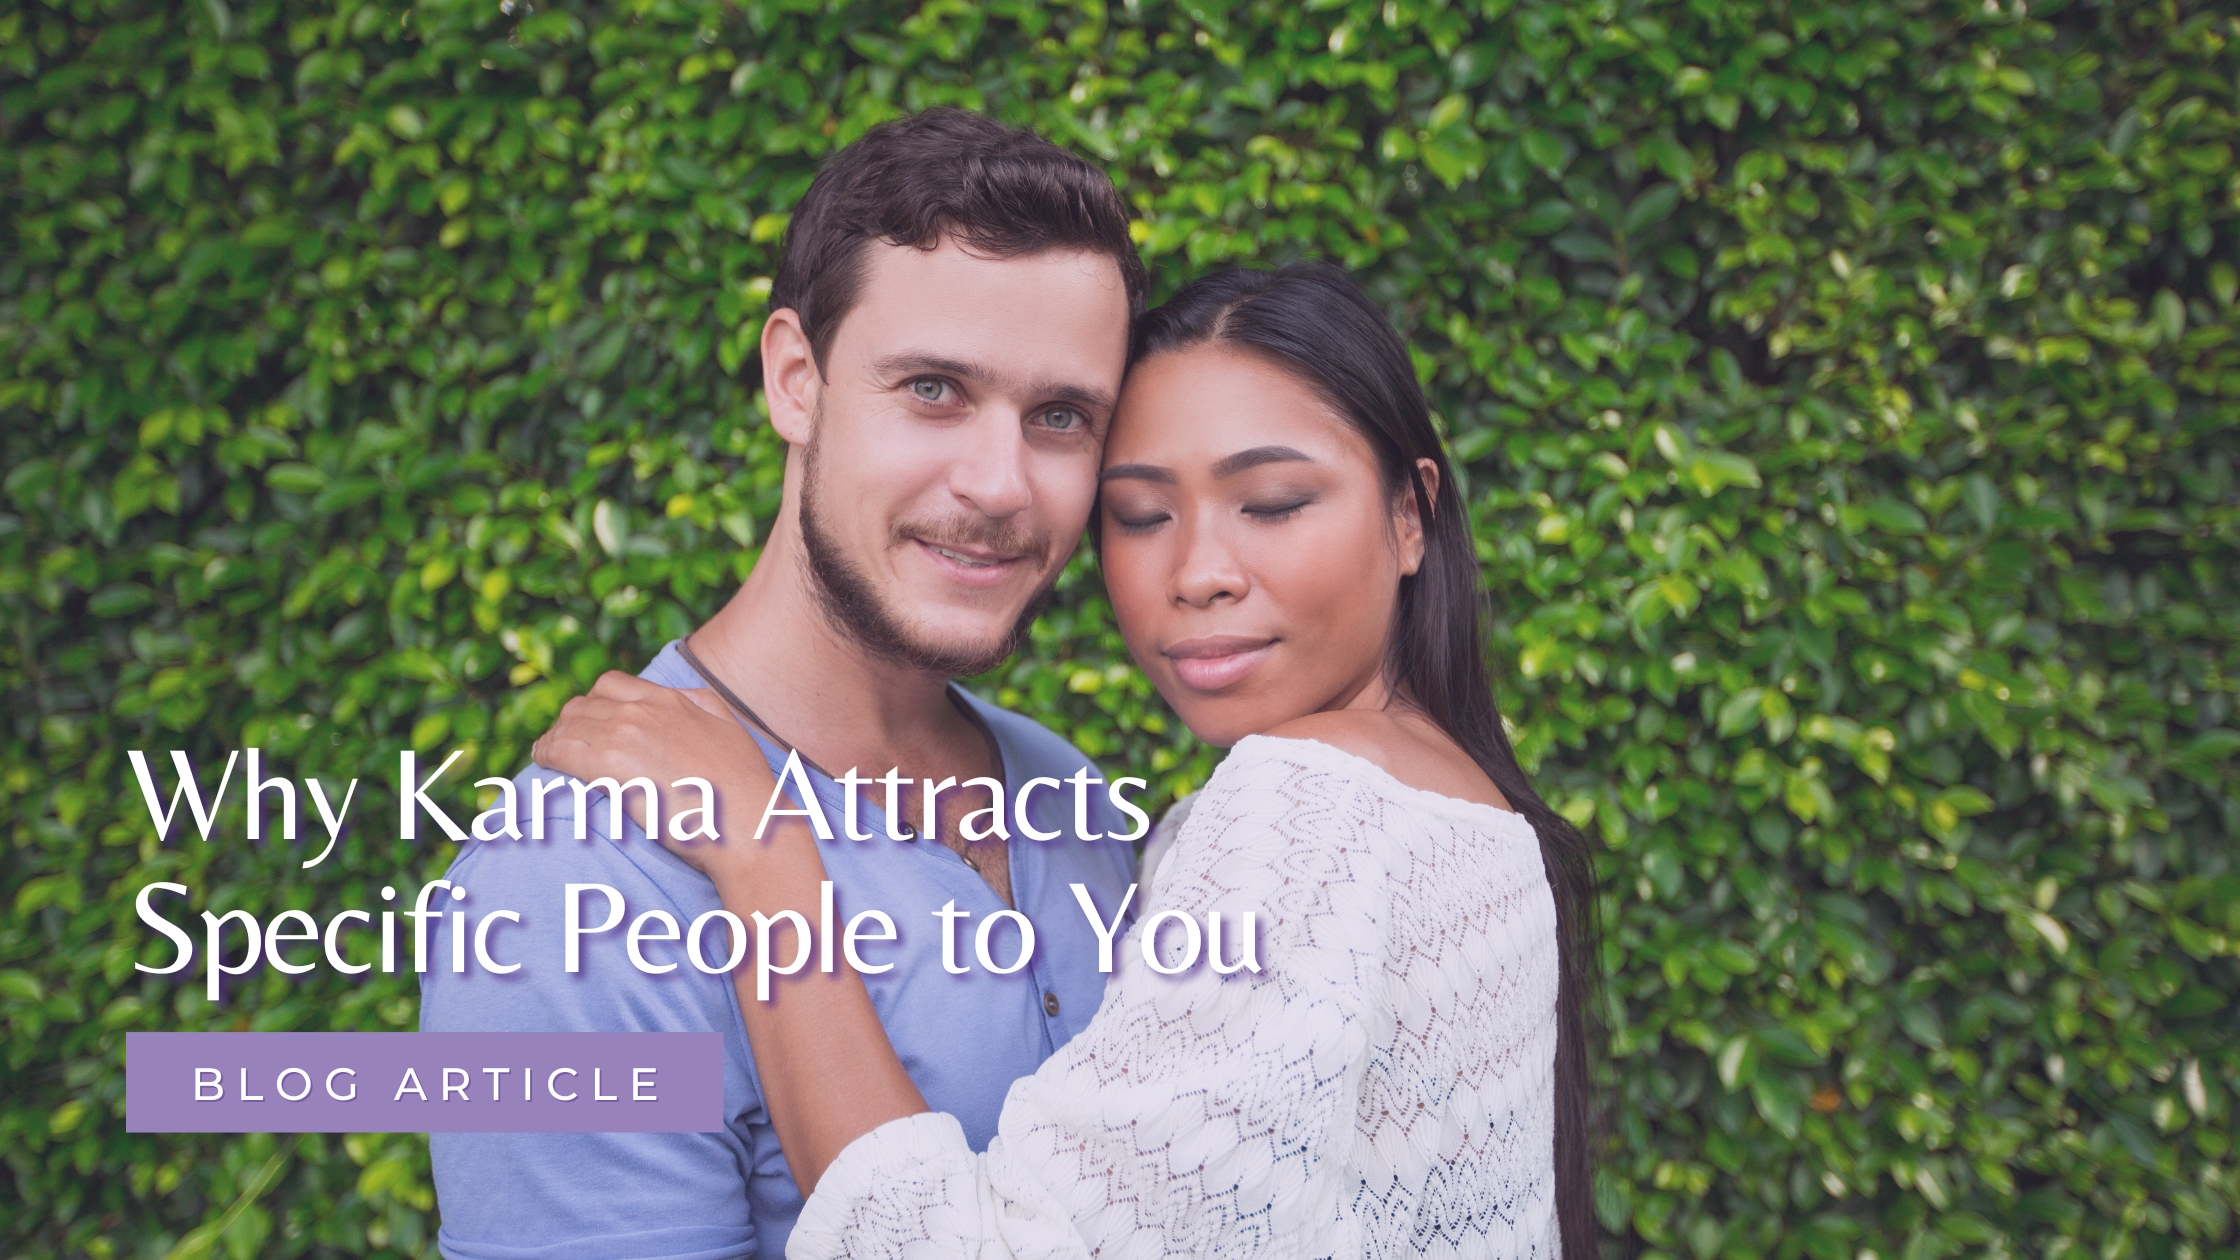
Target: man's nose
pixel 991 473
pixel 1209 570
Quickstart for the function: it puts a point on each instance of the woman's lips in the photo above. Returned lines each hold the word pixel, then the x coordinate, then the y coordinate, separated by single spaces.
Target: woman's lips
pixel 1211 664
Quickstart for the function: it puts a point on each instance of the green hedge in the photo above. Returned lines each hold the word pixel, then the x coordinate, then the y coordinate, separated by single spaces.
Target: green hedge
pixel 1849 401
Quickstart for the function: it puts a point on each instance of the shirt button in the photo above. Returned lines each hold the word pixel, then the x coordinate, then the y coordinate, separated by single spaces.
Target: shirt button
pixel 1050 1004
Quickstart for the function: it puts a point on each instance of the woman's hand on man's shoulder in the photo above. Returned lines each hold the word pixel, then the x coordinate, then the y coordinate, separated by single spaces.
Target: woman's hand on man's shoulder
pixel 626 728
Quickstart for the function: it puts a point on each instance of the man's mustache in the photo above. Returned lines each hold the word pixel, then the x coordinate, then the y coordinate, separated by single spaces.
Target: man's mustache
pixel 976 534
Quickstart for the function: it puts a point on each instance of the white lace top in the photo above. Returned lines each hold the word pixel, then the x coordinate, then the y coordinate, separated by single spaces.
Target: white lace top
pixel 1383 1086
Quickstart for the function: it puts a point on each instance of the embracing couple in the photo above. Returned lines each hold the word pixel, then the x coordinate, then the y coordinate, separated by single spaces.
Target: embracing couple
pixel 959 359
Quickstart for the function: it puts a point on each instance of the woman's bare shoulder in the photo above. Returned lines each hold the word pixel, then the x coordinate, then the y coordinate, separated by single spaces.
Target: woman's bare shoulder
pixel 1405 746
pixel 1366 733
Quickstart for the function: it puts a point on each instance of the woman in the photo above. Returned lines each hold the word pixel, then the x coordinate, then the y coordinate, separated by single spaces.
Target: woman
pixel 1291 564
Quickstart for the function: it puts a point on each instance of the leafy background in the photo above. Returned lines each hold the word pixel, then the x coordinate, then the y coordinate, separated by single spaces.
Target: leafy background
pixel 1847 390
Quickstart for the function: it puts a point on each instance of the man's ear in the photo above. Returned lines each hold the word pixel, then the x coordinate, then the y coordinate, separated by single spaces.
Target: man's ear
pixel 790 379
pixel 1408 513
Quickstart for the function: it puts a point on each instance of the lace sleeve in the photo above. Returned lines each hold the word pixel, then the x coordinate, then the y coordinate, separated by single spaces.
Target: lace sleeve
pixel 1161 843
pixel 1198 1112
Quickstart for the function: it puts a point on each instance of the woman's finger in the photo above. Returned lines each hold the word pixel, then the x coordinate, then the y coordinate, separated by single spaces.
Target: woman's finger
pixel 707 700
pixel 585 714
pixel 567 742
pixel 616 685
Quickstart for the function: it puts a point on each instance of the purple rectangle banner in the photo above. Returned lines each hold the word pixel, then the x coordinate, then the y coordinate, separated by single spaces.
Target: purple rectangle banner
pixel 417 1082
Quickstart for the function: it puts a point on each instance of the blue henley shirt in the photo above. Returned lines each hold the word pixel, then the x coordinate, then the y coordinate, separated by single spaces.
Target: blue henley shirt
pixel 718 1196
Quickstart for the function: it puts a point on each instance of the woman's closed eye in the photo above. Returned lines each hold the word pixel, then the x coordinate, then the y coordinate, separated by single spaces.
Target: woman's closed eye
pixel 1271 511
pixel 1140 521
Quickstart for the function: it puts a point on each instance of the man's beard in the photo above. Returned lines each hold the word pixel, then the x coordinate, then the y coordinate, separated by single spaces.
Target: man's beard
pixel 852 606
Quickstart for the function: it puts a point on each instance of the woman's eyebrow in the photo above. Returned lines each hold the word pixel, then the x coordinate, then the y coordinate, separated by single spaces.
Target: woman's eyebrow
pixel 1227 466
pixel 1231 465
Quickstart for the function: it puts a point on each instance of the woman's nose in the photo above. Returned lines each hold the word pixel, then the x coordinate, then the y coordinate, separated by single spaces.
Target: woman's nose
pixel 1209 570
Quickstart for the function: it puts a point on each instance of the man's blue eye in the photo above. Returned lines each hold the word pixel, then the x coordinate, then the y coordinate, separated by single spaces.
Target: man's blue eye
pixel 1061 417
pixel 929 389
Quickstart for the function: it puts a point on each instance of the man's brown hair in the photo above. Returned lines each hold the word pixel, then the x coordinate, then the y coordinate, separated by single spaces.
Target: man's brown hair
pixel 944 173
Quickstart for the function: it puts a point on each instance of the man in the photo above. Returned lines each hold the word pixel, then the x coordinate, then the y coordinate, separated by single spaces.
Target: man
pixel 949 328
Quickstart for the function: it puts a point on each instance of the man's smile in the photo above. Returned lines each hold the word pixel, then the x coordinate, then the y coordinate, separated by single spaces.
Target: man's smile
pixel 971 565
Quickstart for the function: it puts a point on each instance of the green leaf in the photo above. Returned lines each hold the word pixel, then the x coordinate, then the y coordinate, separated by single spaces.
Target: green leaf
pixel 1713 471
pixel 1789 1046
pixel 1741 711
pixel 1732 958
pixel 1448 163
pixel 1922 1023
pixel 1778 1102
pixel 295 478
pixel 20 986
pixel 1967 801
pixel 1650 208
pixel 347 493
pixel 1894 517
pixel 1738 1063
pixel 1662 866
pixel 2194 1003
pixel 1545 217
pixel 120 600
pixel 605 353
pixel 1545 151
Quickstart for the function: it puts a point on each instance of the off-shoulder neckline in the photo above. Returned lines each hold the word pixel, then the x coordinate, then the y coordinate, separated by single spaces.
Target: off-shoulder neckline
pixel 1392 787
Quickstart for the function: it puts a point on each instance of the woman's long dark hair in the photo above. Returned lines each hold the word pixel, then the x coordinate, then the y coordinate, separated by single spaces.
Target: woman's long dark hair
pixel 1310 320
